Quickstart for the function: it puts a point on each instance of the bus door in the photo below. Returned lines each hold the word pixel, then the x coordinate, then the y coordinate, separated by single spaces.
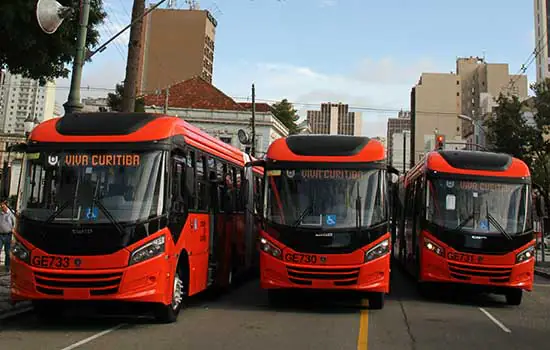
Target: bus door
pixel 179 206
pixel 216 217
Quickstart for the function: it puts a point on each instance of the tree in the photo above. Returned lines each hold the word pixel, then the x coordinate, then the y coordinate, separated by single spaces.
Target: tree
pixel 114 100
pixel 509 132
pixel 26 50
pixel 285 112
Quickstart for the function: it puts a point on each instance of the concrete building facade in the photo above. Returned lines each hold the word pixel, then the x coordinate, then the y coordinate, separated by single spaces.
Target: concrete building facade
pixel 176 45
pixel 542 38
pixel 335 119
pixel 21 97
pixel 397 126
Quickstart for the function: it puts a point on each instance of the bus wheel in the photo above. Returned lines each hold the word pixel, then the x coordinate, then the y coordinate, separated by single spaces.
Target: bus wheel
pixel 514 296
pixel 376 301
pixel 169 313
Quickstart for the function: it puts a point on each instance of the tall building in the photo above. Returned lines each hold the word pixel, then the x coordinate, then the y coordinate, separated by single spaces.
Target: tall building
pixel 481 83
pixel 397 126
pixel 435 106
pixel 400 154
pixel 176 45
pixel 21 97
pixel 542 38
pixel 335 119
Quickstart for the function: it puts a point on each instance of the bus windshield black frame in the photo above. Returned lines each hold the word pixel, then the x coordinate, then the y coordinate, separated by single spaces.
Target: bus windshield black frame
pixel 326 198
pixel 84 186
pixel 478 205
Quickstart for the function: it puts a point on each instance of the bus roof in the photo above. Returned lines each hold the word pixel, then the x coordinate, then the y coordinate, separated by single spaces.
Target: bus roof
pixel 477 163
pixel 115 127
pixel 326 148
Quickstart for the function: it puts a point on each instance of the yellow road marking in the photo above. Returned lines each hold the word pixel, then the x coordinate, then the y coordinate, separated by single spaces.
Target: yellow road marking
pixel 362 341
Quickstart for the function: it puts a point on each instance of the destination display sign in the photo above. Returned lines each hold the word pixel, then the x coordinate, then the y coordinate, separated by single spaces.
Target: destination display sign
pixel 483 186
pixel 331 174
pixel 103 159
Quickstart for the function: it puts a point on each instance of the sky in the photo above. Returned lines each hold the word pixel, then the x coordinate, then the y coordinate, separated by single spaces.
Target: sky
pixel 365 53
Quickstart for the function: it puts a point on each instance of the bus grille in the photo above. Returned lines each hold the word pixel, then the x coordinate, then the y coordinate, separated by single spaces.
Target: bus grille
pixel 98 284
pixel 466 272
pixel 338 276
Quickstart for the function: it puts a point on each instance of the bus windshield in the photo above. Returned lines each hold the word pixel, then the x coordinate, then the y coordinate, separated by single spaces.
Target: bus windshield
pixel 326 198
pixel 93 186
pixel 481 207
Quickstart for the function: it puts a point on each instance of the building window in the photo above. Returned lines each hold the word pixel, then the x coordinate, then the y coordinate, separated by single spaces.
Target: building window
pixel 226 139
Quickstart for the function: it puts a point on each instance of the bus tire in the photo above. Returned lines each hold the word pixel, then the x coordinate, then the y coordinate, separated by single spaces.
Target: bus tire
pixel 169 313
pixel 376 301
pixel 514 296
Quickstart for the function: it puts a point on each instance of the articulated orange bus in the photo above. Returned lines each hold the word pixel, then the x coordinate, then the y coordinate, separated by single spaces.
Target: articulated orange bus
pixel 325 220
pixel 130 207
pixel 466 217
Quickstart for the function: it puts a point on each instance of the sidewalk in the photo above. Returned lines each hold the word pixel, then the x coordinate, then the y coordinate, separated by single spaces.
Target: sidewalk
pixel 543 269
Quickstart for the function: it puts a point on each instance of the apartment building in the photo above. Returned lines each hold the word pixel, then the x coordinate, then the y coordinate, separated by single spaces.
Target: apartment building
pixel 177 44
pixel 435 106
pixel 21 97
pixel 542 38
pixel 481 83
pixel 397 126
pixel 335 119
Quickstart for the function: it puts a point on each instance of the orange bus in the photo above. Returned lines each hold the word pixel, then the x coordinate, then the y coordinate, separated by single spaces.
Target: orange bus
pixel 465 217
pixel 325 219
pixel 131 207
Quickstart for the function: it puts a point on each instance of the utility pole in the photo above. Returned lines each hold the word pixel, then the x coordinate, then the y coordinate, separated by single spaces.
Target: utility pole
pixel 73 103
pixel 253 147
pixel 134 45
pixel 404 150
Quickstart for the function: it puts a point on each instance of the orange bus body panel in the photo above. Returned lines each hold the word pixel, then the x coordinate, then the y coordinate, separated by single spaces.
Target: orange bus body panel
pixel 149 280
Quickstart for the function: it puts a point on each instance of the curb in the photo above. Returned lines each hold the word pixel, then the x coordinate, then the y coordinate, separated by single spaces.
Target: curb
pixel 21 308
pixel 542 273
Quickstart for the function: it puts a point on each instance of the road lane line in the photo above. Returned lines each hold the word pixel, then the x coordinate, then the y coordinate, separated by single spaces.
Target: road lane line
pixel 363 338
pixel 93 337
pixel 495 321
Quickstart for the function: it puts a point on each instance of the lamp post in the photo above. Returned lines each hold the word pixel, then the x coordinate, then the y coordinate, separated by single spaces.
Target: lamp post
pixel 29 124
pixel 476 126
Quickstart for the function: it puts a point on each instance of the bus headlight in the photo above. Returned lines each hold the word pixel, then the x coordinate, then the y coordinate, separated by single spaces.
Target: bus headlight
pixel 431 246
pixel 148 250
pixel 19 250
pixel 270 248
pixel 525 254
pixel 378 250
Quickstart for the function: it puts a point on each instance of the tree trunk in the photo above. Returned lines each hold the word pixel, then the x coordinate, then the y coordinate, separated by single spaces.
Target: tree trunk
pixel 134 45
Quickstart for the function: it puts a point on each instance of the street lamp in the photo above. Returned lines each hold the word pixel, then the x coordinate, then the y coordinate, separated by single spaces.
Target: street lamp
pixel 476 126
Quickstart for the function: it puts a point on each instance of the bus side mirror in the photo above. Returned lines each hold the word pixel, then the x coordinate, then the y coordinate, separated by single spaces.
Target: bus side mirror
pixel 259 162
pixel 392 170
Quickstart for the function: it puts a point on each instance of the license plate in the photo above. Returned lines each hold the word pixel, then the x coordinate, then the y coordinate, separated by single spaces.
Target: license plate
pixel 298 258
pixel 59 262
pixel 467 258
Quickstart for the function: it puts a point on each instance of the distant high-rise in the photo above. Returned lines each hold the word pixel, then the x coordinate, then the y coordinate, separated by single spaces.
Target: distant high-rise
pixel 335 119
pixel 176 45
pixel 542 38
pixel 396 126
pixel 22 97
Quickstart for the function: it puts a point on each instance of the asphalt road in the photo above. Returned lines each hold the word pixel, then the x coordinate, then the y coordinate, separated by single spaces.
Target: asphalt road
pixel 242 320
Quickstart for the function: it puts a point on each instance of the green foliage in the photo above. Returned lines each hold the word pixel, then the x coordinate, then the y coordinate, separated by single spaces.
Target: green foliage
pixel 114 100
pixel 26 50
pixel 285 112
pixel 509 132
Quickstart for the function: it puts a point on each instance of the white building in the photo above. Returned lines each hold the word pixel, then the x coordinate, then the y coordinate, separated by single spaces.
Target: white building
pixel 92 104
pixel 21 97
pixel 203 105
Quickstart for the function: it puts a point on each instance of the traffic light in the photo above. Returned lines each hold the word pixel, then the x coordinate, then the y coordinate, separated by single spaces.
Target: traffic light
pixel 439 141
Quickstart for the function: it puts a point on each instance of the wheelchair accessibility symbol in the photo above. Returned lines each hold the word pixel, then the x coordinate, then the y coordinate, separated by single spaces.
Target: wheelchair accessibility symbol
pixel 92 214
pixel 331 220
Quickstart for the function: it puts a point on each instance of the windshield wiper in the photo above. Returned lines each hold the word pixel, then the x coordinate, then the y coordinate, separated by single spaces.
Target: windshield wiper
pixel 57 212
pixel 358 223
pixel 463 223
pixel 495 223
pixel 109 216
pixel 303 215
